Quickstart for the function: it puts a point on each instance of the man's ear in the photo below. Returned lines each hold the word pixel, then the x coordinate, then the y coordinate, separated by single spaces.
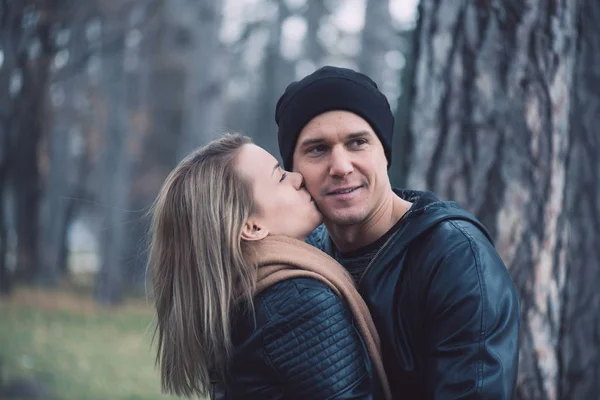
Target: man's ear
pixel 254 230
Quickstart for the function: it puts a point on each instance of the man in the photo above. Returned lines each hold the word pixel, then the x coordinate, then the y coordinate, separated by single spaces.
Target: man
pixel 443 301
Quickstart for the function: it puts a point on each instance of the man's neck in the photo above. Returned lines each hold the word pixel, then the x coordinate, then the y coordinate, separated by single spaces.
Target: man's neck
pixel 353 237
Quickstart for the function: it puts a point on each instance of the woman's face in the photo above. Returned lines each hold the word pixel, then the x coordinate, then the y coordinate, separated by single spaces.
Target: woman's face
pixel 283 206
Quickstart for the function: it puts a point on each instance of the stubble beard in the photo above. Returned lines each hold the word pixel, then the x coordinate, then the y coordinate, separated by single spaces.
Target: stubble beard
pixel 343 219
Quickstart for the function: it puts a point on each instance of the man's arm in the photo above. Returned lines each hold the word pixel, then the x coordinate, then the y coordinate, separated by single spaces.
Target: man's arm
pixel 472 309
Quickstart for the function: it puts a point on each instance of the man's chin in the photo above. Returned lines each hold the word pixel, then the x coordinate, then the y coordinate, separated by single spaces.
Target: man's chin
pixel 343 218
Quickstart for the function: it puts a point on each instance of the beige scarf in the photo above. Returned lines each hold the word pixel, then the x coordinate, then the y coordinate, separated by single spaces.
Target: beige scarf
pixel 279 258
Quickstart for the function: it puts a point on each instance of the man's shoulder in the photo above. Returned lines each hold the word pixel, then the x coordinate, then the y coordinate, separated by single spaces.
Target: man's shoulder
pixel 451 231
pixel 453 248
pixel 429 216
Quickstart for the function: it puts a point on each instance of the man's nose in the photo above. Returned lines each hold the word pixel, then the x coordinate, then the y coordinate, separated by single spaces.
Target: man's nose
pixel 297 180
pixel 340 163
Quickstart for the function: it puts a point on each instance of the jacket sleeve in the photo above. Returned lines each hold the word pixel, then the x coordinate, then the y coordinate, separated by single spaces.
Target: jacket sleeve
pixel 472 314
pixel 316 351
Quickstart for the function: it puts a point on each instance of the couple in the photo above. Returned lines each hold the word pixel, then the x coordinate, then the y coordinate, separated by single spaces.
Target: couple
pixel 395 295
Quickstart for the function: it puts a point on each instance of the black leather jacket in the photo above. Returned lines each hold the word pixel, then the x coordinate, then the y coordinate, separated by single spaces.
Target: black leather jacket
pixel 302 344
pixel 444 304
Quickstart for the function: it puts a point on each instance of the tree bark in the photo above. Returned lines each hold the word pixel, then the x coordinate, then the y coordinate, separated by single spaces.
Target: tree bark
pixel 402 143
pixel 578 341
pixel 504 106
pixel 377 39
pixel 205 60
pixel 144 160
pixel 314 51
pixel 27 130
pixel 117 177
pixel 277 73
pixel 5 278
pixel 65 173
pixel 8 28
pixel 54 208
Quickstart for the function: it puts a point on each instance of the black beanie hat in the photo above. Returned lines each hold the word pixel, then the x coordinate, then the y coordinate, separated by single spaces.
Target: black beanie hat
pixel 328 89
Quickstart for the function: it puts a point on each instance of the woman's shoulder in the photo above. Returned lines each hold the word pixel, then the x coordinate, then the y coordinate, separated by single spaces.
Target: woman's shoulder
pixel 283 297
pixel 285 304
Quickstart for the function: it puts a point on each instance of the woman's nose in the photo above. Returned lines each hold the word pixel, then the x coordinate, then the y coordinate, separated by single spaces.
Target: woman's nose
pixel 297 180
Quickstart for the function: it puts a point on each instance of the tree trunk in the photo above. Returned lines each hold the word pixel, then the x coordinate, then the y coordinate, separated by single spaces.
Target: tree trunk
pixel 28 129
pixel 54 209
pixel 377 39
pixel 578 341
pixel 503 120
pixel 402 142
pixel 314 51
pixel 117 176
pixel 143 160
pixel 207 69
pixel 7 43
pixel 65 166
pixel 5 278
pixel 277 73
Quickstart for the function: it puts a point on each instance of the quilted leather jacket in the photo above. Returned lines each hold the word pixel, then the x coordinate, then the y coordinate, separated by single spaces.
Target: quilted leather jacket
pixel 444 304
pixel 301 344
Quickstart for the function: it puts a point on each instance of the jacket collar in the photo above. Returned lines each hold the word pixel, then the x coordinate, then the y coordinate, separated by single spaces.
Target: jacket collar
pixel 426 212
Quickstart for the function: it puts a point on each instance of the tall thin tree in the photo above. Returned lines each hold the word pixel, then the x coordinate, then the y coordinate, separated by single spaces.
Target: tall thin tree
pixel 116 166
pixel 378 38
pixel 33 50
pixel 206 64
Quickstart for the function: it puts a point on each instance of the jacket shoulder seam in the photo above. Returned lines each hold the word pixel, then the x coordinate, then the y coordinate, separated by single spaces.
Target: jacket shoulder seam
pixel 482 290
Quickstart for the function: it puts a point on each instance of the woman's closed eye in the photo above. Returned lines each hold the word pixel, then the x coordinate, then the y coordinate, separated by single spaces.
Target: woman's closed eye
pixel 283 176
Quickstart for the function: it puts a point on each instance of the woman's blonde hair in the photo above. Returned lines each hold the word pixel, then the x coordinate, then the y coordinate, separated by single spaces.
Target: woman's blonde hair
pixel 197 265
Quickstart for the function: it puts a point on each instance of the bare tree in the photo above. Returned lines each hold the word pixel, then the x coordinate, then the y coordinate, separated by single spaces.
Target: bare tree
pixel 505 107
pixel 146 159
pixel 7 41
pixel 65 149
pixel 313 48
pixel 277 73
pixel 378 38
pixel 5 278
pixel 402 138
pixel 29 26
pixel 578 344
pixel 198 49
pixel 116 169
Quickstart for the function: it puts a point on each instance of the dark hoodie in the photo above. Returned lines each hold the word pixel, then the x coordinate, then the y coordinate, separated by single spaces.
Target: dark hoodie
pixel 444 304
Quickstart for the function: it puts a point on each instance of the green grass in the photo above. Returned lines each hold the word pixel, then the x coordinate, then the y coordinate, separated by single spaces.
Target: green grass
pixel 77 349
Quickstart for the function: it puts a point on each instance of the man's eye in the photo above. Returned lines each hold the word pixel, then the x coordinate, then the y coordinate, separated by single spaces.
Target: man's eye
pixel 316 149
pixel 358 142
pixel 283 177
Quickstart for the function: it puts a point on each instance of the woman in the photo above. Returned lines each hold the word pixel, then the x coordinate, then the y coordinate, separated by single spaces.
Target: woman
pixel 240 299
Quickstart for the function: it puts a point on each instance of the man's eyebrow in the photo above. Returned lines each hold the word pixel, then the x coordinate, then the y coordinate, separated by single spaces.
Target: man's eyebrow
pixel 358 134
pixel 274 168
pixel 311 142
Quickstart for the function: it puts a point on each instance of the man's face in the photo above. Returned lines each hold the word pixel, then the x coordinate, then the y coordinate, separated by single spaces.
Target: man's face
pixel 344 166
